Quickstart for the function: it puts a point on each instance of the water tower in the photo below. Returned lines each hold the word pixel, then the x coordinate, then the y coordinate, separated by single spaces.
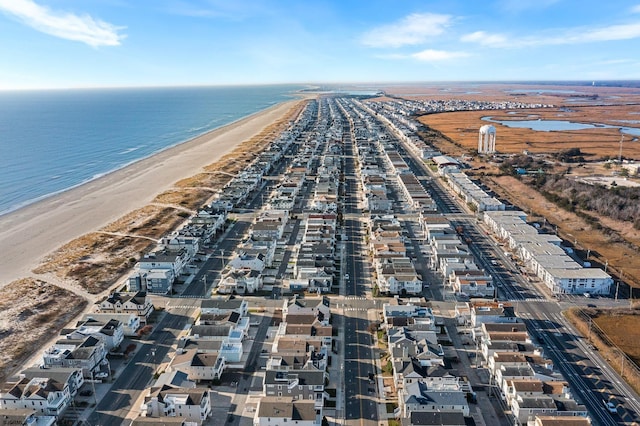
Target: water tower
pixel 487 139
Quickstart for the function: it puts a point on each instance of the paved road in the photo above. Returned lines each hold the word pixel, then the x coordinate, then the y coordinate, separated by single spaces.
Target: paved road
pixel 360 395
pixel 125 391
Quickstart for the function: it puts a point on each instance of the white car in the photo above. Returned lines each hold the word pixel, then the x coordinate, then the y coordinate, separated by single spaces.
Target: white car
pixel 610 406
pixel 101 375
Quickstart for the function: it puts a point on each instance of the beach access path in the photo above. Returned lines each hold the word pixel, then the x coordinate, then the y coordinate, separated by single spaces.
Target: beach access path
pixel 32 232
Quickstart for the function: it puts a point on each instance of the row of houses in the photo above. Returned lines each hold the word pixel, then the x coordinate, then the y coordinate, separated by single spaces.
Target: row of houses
pixel 543 255
pixel 451 256
pixel 425 383
pixel 158 270
pixel 521 374
pixel 314 257
pixel 293 388
pixel 311 263
pixel 217 341
pixel 295 380
pixel 382 168
pixel 471 193
pixel 41 395
pixel 394 271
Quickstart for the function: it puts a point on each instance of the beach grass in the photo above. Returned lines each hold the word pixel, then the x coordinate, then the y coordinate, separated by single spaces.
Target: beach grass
pixel 94 261
pixel 151 221
pixel 187 198
pixel 32 311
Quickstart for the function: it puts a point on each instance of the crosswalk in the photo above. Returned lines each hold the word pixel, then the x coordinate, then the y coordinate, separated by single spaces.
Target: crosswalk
pixel 533 299
pixel 356 309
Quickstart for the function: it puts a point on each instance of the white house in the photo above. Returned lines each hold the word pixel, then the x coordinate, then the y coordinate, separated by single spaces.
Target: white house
pixel 47 396
pixel 194 405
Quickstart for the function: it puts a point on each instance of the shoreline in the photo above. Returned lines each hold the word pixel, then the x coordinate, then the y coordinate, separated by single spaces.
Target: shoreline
pixel 98 176
pixel 29 233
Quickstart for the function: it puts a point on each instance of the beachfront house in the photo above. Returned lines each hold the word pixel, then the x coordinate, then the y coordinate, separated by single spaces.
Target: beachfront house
pixel 130 322
pixel 157 271
pixel 110 332
pixel 120 303
pixel 45 395
pixel 71 376
pixel 88 354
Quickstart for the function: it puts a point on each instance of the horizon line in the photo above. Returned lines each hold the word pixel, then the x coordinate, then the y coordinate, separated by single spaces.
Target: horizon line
pixel 383 82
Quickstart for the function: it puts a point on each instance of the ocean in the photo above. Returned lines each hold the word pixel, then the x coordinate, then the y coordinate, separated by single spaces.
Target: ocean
pixel 51 141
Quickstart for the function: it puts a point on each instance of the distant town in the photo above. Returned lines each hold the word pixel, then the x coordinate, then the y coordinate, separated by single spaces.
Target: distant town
pixel 351 274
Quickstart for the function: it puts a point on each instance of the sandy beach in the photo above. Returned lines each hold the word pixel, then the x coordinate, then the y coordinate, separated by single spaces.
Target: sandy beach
pixel 30 233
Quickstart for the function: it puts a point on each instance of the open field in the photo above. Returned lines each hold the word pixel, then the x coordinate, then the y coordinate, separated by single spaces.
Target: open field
pixel 32 312
pixel 596 143
pixel 186 198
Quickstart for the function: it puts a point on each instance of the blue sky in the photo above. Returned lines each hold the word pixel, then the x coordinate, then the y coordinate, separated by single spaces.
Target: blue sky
pixel 105 43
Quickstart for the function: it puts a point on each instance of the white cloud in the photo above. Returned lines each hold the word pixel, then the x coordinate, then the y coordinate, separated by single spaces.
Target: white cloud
pixel 83 28
pixel 413 29
pixel 570 36
pixel 635 9
pixel 431 55
pixel 613 32
pixel 485 39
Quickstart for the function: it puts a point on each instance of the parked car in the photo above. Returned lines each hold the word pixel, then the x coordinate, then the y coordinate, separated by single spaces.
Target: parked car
pixel 610 406
pixel 101 375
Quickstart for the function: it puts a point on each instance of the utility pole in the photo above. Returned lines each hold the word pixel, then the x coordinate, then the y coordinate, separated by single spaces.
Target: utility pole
pixel 620 152
pixel 617 288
